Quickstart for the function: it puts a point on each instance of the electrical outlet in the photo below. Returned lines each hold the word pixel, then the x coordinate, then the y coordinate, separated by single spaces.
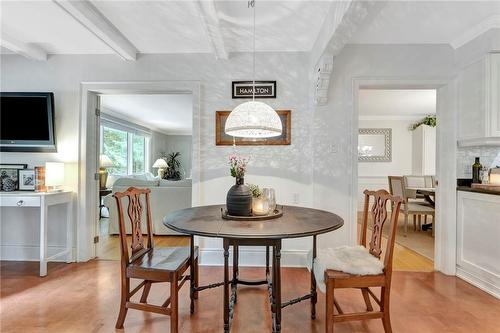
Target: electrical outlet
pixel 295 198
pixel 334 148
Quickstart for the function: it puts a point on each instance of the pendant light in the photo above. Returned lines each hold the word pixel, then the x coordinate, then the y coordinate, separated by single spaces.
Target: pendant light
pixel 253 119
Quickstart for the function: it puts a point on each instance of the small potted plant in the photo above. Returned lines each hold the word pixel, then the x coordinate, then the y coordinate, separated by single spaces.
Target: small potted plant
pixel 239 196
pixel 173 171
pixel 260 205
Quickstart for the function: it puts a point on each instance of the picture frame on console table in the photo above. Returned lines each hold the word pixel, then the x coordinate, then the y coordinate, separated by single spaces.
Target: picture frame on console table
pixel 222 139
pixel 26 179
pixel 9 176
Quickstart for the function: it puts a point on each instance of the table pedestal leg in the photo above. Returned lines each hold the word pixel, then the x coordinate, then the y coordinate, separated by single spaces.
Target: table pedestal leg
pixel 276 285
pixel 235 270
pixel 226 286
pixel 314 295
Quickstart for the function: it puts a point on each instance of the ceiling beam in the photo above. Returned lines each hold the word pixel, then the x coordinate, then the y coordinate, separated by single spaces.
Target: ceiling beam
pixel 343 19
pixel 94 21
pixel 210 20
pixel 30 51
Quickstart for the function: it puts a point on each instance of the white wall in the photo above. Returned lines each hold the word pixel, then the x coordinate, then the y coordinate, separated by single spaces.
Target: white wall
pixel 373 175
pixel 163 144
pixel 287 168
pixel 334 124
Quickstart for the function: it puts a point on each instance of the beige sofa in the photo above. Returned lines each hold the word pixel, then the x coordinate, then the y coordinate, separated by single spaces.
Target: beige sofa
pixel 166 196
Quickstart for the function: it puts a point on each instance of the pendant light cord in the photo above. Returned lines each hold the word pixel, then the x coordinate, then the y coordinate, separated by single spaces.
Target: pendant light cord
pixel 251 3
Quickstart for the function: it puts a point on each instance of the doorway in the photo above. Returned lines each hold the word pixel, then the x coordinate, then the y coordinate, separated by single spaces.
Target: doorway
pixel 397 152
pixel 91 93
pixel 145 141
pixel 445 192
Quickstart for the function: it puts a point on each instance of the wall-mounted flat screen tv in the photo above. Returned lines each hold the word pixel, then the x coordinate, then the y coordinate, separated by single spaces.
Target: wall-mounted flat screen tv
pixel 27 122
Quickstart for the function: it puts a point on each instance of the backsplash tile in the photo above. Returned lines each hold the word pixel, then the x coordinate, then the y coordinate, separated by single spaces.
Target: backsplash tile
pixel 489 157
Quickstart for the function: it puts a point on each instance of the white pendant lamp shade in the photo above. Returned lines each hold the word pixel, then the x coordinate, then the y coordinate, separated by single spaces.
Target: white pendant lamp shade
pixel 253 120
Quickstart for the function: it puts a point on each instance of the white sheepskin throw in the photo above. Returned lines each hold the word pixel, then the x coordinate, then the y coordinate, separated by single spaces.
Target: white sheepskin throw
pixel 354 260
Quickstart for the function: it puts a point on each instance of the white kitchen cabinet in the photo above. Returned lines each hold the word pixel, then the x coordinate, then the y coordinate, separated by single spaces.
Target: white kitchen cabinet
pixel 424 150
pixel 478 240
pixel 479 102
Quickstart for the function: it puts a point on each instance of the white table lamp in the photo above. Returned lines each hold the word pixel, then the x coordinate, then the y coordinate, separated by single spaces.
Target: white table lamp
pixel 54 176
pixel 104 162
pixel 161 164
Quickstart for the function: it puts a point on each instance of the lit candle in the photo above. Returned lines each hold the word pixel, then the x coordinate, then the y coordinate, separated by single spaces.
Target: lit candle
pixel 260 206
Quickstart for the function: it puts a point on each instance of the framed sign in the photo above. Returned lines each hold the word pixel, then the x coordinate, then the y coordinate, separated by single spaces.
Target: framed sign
pixel 222 139
pixel 263 89
pixel 375 145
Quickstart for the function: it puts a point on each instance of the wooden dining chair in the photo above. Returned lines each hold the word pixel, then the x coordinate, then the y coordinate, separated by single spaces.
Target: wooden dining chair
pixel 336 279
pixel 148 263
pixel 397 188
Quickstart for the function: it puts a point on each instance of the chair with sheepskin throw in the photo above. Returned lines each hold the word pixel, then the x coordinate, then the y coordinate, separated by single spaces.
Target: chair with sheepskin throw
pixel 360 267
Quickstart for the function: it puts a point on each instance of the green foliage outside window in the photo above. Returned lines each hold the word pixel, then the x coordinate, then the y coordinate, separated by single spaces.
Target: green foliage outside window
pixel 115 146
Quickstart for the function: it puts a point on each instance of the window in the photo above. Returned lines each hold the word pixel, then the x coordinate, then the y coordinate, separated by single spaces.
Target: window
pixel 126 149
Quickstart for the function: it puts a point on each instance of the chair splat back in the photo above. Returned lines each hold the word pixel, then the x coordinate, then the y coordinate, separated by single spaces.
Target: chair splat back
pixel 135 211
pixel 379 213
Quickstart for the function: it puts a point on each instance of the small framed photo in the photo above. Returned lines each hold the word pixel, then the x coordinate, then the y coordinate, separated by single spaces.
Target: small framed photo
pixel 9 176
pixel 26 179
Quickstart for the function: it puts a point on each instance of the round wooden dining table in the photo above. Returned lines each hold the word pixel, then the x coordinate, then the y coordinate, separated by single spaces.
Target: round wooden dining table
pixel 296 222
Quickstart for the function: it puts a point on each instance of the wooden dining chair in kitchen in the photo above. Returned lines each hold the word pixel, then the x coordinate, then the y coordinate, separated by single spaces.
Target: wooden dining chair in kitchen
pixel 374 272
pixel 149 263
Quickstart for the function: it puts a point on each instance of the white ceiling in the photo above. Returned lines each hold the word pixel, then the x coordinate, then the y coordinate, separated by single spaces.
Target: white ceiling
pixel 45 24
pixel 396 103
pixel 206 26
pixel 425 22
pixel 169 114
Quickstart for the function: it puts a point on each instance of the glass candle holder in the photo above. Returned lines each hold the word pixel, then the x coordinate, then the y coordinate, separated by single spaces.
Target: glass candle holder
pixel 260 206
pixel 270 195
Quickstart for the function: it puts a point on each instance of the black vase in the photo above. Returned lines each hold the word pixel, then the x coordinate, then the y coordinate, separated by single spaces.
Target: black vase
pixel 239 199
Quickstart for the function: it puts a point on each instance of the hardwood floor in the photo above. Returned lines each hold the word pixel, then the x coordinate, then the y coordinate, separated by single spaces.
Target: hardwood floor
pixel 109 248
pixel 84 297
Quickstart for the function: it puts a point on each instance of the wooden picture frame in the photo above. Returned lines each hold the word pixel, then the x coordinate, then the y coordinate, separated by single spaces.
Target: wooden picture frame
pixel 222 139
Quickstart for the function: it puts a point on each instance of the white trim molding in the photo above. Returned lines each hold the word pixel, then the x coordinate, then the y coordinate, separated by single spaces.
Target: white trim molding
pixel 477 30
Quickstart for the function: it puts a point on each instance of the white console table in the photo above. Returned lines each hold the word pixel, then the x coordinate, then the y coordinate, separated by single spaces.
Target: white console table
pixel 42 200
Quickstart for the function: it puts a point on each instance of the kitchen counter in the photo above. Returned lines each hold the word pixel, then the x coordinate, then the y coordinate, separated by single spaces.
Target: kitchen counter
pixel 491 190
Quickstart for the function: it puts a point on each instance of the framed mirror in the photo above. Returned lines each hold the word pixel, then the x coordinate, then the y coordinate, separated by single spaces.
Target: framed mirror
pixel 374 145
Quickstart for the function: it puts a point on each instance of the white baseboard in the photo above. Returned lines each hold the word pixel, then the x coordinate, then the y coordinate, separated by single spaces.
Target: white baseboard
pixel 253 257
pixel 29 252
pixel 476 281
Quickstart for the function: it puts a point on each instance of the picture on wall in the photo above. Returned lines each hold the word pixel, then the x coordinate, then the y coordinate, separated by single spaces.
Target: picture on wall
pixel 375 145
pixel 222 139
pixel 9 176
pixel 26 180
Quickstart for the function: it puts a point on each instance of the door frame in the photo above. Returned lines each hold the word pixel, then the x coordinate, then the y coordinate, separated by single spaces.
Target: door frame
pixel 88 186
pixel 446 152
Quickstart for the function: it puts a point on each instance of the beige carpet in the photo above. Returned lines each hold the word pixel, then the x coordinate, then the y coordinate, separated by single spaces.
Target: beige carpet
pixel 419 241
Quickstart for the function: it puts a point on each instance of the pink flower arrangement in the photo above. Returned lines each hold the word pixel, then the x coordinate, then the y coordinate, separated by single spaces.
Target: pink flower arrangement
pixel 238 165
